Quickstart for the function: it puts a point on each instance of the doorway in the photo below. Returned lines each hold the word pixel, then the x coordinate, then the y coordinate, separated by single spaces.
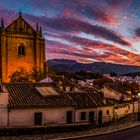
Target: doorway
pixel 91 118
pixel 100 114
pixel 38 118
pixel 69 117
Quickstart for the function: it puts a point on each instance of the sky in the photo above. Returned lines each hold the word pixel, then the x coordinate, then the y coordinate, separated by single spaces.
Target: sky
pixel 83 30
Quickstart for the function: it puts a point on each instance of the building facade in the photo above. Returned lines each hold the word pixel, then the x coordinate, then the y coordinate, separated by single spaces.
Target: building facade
pixel 31 104
pixel 21 46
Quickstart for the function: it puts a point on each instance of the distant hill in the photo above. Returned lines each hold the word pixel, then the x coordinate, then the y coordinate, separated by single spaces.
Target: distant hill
pixel 132 74
pixel 65 65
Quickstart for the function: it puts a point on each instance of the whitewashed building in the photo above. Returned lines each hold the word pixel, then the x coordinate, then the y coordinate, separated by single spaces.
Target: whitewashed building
pixel 116 91
pixel 29 104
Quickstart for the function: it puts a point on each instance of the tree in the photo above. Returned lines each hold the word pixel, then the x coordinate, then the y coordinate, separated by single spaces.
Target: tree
pixel 133 87
pixel 36 75
pixel 20 75
pixel 101 81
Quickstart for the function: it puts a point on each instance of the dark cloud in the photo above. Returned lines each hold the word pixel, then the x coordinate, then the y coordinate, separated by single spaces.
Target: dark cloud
pixel 64 20
pixel 97 9
pixel 84 41
pixel 93 50
pixel 75 26
pixel 119 3
pixel 7 14
pixel 137 32
pixel 106 56
pixel 98 14
pixel 105 52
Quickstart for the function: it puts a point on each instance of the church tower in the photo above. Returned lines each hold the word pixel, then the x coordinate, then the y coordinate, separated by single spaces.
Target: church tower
pixel 20 46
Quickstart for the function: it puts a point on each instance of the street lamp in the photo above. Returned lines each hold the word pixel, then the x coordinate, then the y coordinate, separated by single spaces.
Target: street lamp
pixel 138 106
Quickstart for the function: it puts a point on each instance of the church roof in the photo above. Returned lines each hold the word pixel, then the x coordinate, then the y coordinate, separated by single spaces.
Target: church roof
pixel 20 25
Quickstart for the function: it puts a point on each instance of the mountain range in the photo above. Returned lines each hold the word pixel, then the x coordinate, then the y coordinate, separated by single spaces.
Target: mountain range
pixel 65 65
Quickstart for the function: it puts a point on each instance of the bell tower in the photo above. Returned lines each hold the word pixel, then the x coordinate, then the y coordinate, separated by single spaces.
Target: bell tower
pixel 20 46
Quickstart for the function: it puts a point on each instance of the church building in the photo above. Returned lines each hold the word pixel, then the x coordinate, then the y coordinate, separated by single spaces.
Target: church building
pixel 21 46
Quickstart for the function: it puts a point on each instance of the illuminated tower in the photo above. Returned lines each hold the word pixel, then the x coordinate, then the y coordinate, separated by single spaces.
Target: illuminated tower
pixel 20 46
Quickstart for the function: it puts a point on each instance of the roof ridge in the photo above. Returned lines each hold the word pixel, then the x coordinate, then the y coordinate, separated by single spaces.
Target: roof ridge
pixel 16 20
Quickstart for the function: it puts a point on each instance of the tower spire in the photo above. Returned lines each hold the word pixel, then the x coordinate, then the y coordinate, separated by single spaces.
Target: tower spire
pixel 40 30
pixel 37 27
pixel 2 24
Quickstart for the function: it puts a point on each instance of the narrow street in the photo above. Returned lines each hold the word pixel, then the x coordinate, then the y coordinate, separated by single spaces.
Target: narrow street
pixel 128 134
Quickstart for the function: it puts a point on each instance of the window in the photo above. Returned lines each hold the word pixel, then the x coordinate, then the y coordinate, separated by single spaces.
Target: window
pixel 21 50
pixel 83 115
pixel 107 112
pixel 20 29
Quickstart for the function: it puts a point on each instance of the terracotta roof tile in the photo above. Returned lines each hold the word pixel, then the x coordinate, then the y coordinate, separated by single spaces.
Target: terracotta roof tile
pixel 26 95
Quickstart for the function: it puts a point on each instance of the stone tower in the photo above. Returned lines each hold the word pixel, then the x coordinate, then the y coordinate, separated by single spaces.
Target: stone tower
pixel 20 46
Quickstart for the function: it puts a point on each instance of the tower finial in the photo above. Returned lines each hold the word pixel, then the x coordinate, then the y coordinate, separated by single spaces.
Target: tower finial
pixel 20 13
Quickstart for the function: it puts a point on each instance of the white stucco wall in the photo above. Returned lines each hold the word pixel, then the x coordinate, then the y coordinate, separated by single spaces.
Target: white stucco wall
pixel 3 109
pixel 25 117
pixel 133 107
pixel 78 114
pixel 125 110
pixel 106 117
pixel 108 93
pixel 121 112
pixel 21 117
pixel 57 115
pixel 118 112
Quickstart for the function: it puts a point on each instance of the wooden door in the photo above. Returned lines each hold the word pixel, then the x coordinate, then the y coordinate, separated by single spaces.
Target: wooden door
pixel 91 118
pixel 38 118
pixel 69 117
pixel 100 117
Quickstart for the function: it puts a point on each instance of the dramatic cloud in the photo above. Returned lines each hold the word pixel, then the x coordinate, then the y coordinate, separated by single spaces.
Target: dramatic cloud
pixel 83 30
pixel 92 50
pixel 119 3
pixel 137 32
pixel 102 16
pixel 73 25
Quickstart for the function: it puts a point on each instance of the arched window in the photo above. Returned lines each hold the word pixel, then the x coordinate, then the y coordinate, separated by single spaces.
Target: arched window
pixel 21 50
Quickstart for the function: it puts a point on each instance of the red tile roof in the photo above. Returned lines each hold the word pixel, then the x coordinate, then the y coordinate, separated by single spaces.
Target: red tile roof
pixel 26 95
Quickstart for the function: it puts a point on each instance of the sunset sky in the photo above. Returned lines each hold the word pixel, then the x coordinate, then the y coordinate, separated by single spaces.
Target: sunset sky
pixel 83 30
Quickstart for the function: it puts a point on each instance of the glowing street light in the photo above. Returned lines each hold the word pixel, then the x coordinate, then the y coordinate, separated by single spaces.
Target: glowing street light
pixel 138 106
